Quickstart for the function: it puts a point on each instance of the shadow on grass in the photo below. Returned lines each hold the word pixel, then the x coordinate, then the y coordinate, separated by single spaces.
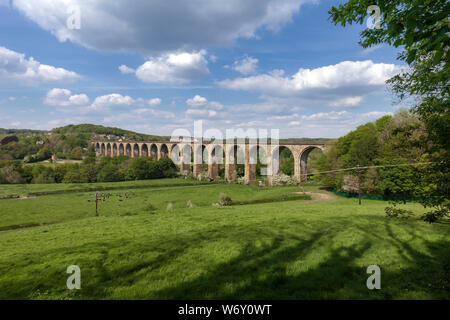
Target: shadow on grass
pixel 276 269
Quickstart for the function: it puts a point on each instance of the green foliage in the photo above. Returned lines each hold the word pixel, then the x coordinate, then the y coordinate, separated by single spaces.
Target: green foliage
pixel 76 174
pixel 394 212
pixel 43 174
pixel 421 29
pixel 224 200
pixel 391 140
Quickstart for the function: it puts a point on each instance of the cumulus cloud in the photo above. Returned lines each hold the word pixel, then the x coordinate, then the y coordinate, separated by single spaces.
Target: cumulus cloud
pixel 63 98
pixel 246 66
pixel 197 101
pixel 154 102
pixel 154 27
pixel 14 66
pixel 334 80
pixel 174 68
pixel 126 70
pixel 113 100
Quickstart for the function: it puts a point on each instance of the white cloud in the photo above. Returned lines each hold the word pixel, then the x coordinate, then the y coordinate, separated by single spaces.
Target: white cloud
pixel 12 98
pixel 174 68
pixel 154 102
pixel 246 66
pixel 334 81
pixel 347 102
pixel 126 70
pixel 14 66
pixel 155 26
pixel 63 98
pixel 112 100
pixel 197 101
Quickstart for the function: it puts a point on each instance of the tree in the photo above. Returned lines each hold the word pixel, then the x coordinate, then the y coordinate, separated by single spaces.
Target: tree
pixel 421 29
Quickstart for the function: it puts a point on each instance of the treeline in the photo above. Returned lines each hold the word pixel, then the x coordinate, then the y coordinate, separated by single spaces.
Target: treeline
pixel 390 140
pixel 90 170
pixel 69 142
pixel 97 129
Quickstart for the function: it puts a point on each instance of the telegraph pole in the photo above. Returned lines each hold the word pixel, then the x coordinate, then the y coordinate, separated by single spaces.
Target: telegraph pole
pixel 359 184
pixel 96 204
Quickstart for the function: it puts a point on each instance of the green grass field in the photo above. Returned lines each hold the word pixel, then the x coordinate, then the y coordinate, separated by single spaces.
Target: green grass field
pixel 137 249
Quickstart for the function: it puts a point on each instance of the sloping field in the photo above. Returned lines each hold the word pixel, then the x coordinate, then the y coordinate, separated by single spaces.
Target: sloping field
pixel 138 249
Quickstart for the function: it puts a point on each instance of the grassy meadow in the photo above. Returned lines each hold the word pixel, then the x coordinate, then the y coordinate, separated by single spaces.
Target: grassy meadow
pixel 314 246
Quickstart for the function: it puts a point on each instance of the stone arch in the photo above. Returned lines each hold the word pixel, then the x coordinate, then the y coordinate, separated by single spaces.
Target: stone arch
pixel 187 158
pixel 136 152
pixel 164 150
pixel 153 151
pixel 283 160
pixel 97 147
pixel 234 162
pixel 216 158
pixel 115 153
pixel 303 157
pixel 108 149
pixel 121 149
pixel 175 154
pixel 144 150
pixel 258 161
pixel 128 150
pixel 103 149
pixel 199 159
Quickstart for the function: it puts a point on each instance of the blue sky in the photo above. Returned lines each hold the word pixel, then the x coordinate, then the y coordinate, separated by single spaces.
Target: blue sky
pixel 157 66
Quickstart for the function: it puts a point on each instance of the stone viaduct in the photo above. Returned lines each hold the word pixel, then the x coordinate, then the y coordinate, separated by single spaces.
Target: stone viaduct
pixel 185 154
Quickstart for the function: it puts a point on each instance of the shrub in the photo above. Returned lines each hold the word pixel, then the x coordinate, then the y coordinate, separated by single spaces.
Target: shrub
pixel 224 200
pixel 204 177
pixel 282 179
pixel 393 212
pixel 241 180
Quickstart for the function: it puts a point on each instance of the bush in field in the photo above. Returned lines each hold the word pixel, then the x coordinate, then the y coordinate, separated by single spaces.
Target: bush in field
pixel 224 200
pixel 282 179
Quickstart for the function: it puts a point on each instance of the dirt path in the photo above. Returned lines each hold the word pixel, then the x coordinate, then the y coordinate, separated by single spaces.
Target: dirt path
pixel 316 196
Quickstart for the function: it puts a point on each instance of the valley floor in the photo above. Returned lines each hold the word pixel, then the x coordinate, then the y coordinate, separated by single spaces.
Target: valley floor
pixel 142 247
